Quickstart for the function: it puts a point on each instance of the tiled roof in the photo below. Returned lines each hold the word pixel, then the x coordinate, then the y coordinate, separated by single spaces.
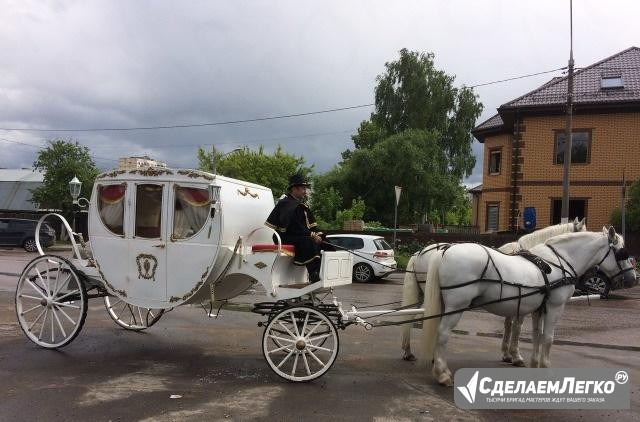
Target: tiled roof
pixel 490 123
pixel 476 189
pixel 21 175
pixel 586 84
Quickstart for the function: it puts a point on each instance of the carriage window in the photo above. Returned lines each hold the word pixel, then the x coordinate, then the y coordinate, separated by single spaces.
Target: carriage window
pixel 190 212
pixel 111 207
pixel 148 211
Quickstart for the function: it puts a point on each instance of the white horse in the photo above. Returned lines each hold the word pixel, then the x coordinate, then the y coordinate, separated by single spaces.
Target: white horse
pixel 418 266
pixel 451 284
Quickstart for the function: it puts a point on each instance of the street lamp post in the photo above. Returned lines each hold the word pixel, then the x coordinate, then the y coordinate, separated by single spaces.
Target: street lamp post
pixel 75 186
pixel 398 190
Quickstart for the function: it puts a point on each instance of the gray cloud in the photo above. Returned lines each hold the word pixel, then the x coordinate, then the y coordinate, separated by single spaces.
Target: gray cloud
pixel 119 64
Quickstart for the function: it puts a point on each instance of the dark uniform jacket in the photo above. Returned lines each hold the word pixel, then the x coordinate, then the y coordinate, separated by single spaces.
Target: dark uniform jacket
pixel 294 222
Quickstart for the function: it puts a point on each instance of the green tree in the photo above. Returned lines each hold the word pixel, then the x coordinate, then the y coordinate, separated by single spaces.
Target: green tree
pixel 632 211
pixel 418 137
pixel 413 94
pixel 60 162
pixel 271 170
pixel 411 159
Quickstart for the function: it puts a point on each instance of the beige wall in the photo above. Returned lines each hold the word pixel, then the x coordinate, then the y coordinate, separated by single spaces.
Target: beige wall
pixel 615 145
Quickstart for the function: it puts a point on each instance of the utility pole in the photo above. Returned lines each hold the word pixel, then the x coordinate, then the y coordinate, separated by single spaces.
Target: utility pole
pixel 568 127
pixel 624 203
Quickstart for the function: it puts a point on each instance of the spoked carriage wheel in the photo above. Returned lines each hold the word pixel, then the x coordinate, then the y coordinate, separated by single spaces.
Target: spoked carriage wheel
pixel 300 343
pixel 131 317
pixel 51 302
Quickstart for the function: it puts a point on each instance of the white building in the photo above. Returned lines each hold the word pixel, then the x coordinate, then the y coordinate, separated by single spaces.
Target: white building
pixel 132 163
pixel 15 189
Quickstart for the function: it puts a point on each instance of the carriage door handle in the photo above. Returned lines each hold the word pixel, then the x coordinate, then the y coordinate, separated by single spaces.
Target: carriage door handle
pixel 159 246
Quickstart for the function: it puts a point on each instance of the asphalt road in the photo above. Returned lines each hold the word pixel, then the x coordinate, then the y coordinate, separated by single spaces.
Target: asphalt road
pixel 217 369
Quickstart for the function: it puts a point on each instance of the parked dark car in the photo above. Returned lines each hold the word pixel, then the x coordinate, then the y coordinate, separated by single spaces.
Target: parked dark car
pixel 21 232
pixel 596 282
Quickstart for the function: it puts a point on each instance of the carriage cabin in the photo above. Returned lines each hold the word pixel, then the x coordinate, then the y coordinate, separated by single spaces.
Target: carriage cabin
pixel 162 237
pixel 157 233
pixel 524 147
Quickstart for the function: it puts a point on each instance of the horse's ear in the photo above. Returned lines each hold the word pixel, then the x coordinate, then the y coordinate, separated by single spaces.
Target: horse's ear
pixel 579 224
pixel 575 220
pixel 612 235
pixel 604 230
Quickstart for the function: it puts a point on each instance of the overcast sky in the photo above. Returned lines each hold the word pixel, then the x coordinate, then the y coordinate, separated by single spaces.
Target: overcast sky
pixel 82 64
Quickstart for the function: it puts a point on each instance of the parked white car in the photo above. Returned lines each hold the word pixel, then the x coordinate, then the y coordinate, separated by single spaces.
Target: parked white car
pixel 373 256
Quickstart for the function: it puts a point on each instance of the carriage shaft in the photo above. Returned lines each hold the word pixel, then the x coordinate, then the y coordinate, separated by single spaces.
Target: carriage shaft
pixel 387 312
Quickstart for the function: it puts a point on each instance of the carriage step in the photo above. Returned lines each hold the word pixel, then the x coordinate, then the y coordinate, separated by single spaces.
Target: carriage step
pixel 294 286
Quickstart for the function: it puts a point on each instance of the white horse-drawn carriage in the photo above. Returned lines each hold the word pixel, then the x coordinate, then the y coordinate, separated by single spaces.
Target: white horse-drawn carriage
pixel 160 238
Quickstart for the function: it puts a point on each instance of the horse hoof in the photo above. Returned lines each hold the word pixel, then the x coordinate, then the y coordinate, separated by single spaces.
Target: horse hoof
pixel 518 362
pixel 408 357
pixel 506 359
pixel 445 380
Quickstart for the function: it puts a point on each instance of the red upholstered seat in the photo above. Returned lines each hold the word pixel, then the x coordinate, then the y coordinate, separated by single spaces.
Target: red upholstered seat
pixel 269 247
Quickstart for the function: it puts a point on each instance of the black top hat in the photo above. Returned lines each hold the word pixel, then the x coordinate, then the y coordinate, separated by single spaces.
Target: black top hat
pixel 298 180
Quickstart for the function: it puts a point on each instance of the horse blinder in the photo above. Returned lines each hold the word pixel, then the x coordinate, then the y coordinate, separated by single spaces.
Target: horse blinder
pixel 622 254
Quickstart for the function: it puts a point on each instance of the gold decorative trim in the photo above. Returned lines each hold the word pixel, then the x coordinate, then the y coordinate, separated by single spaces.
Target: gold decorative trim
pixel 106 282
pixel 247 192
pixel 149 271
pixel 151 172
pixel 260 265
pixel 111 174
pixel 271 226
pixel 194 174
pixel 191 292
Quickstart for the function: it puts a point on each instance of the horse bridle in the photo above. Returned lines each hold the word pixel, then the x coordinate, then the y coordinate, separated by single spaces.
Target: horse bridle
pixel 620 255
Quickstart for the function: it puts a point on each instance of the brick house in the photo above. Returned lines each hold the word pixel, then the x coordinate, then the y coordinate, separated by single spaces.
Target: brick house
pixel 524 144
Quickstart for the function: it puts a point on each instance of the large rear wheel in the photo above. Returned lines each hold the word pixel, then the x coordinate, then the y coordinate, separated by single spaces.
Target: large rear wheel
pixel 51 302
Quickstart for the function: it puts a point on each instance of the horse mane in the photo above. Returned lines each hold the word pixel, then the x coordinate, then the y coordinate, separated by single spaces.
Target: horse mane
pixel 539 236
pixel 568 236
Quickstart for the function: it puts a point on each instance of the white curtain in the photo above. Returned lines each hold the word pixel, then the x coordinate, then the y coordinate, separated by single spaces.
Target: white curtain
pixel 191 211
pixel 111 207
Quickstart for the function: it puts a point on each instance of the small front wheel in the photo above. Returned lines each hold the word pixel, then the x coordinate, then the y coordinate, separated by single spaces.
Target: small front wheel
pixel 51 302
pixel 131 317
pixel 300 343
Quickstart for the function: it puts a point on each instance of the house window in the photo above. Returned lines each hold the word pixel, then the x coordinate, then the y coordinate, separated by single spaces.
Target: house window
pixel 577 208
pixel 493 217
pixel 611 82
pixel 580 147
pixel 495 160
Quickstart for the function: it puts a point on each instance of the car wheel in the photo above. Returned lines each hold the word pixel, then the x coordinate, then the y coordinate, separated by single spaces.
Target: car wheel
pixel 29 245
pixel 596 283
pixel 363 273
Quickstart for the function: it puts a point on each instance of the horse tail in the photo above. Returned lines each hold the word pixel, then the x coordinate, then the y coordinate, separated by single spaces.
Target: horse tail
pixel 432 306
pixel 410 296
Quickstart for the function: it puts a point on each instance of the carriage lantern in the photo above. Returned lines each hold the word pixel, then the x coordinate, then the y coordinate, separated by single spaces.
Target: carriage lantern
pixel 74 188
